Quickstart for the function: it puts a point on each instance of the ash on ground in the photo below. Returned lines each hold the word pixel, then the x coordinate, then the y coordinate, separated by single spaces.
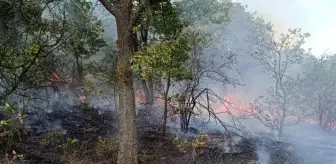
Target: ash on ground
pixel 88 125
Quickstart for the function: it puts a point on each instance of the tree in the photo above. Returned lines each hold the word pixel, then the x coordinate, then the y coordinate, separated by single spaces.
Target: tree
pixel 191 97
pixel 126 15
pixel 160 21
pixel 86 31
pixel 165 60
pixel 318 89
pixel 278 56
pixel 204 11
pixel 86 40
pixel 165 26
pixel 33 32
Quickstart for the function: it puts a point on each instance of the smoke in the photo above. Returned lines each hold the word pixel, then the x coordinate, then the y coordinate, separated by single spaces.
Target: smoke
pixel 312 145
pixel 262 154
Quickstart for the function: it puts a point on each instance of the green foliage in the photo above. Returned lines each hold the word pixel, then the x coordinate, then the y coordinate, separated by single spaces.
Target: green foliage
pixel 204 11
pixel 71 149
pixel 179 144
pixel 85 105
pixel 86 38
pixel 86 29
pixel 198 143
pixel 71 143
pixel 88 86
pixel 105 68
pixel 166 58
pixel 39 36
pixel 197 37
pixel 14 117
pixel 49 137
pixel 9 108
pixel 165 21
pixel 11 127
pixel 33 32
pixel 106 147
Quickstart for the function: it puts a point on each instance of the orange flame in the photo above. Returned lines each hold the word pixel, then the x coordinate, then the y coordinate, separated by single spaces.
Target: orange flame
pixel 233 105
pixel 57 78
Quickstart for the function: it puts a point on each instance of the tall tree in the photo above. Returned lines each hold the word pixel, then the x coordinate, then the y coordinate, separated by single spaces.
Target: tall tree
pixel 86 31
pixel 318 89
pixel 85 41
pixel 164 60
pixel 126 14
pixel 160 21
pixel 278 56
pixel 33 31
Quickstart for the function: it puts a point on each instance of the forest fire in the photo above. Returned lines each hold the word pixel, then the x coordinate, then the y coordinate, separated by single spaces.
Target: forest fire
pixel 234 105
pixel 231 105
pixel 57 78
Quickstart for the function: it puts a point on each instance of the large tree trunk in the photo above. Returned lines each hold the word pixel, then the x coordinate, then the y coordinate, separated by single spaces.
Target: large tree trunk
pixel 128 144
pixel 126 17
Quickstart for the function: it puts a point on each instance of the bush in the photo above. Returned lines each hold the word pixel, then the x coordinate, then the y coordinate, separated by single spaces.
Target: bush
pixel 106 147
pixel 71 149
pixel 10 127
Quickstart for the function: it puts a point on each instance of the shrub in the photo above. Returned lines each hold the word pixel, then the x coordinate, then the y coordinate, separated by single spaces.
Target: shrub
pixel 106 147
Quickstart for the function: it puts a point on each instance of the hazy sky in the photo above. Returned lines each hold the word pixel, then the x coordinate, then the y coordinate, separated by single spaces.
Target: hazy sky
pixel 318 17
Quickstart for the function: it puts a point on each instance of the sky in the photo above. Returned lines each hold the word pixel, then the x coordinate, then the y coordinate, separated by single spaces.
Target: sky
pixel 317 17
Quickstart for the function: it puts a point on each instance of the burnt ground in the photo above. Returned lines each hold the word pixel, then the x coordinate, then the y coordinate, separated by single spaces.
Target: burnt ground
pixel 75 134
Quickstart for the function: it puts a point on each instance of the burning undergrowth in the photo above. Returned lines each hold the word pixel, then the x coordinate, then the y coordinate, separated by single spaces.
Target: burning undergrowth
pixel 83 134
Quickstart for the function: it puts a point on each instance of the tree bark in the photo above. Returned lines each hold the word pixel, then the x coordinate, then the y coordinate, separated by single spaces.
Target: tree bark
pixel 126 17
pixel 145 89
pixel 127 148
pixel 128 145
pixel 282 122
pixel 165 114
pixel 150 86
pixel 320 114
pixel 147 84
pixel 79 68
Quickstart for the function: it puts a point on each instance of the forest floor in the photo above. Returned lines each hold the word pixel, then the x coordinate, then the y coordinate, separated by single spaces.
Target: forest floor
pixel 84 136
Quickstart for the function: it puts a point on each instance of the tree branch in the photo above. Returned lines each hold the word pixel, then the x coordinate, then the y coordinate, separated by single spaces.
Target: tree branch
pixel 110 7
pixel 136 12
